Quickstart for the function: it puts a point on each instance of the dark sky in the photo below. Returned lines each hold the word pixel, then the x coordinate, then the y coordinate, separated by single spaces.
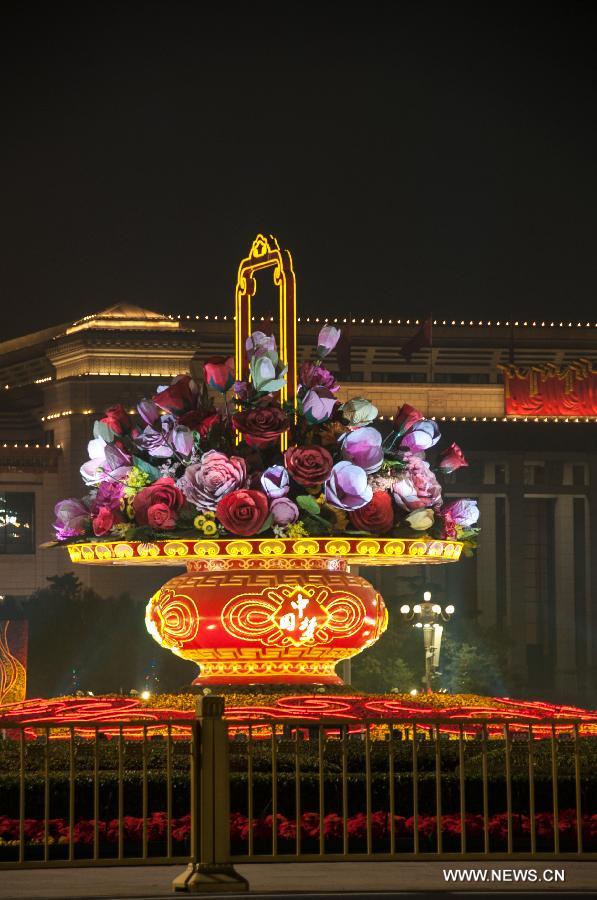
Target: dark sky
pixel 412 155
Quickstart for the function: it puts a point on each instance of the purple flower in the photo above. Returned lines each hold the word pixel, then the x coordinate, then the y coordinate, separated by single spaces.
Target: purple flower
pixel 312 376
pixel 416 487
pixel 148 411
pixel 169 439
pixel 154 442
pixel 421 436
pixel 241 389
pixel 363 448
pixel 206 482
pixel 104 458
pixel 109 494
pixel 72 518
pixel 327 340
pixel 259 344
pixel 275 482
pixel 284 511
pixel 347 486
pixel 463 512
pixel 318 405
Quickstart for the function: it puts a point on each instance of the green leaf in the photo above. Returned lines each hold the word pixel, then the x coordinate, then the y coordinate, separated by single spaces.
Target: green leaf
pixel 267 524
pixel 146 467
pixel 309 504
pixel 101 430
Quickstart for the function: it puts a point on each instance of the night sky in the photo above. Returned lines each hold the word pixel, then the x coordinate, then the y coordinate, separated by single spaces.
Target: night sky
pixel 412 156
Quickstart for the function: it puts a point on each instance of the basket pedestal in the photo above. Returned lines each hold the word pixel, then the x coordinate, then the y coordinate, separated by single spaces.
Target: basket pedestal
pixel 265 626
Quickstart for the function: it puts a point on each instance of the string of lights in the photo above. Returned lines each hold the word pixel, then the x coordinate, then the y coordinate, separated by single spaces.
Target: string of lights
pixel 462 323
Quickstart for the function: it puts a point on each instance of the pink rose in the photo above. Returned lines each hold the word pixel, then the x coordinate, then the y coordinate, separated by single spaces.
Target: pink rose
pixel 284 511
pixel 206 482
pixel 416 487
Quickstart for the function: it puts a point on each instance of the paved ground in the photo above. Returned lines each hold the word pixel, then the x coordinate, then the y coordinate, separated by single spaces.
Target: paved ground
pixel 283 878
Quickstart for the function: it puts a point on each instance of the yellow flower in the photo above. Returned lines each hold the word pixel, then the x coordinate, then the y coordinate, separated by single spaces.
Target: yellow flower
pixel 297 530
pixel 210 528
pixel 199 522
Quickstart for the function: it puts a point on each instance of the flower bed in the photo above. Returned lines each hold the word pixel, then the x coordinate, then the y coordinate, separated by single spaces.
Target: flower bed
pixel 333 827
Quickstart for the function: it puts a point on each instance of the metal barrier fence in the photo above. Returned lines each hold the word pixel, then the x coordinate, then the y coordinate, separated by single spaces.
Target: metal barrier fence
pixel 220 792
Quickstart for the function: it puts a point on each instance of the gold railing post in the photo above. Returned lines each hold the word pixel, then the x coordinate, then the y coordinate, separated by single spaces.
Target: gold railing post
pixel 210 869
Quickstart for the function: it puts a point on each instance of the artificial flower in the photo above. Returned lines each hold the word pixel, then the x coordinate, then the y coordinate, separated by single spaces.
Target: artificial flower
pixel 218 372
pixel 104 520
pixel 363 448
pixel 416 487
pixel 206 482
pixel 463 512
pixel 275 482
pixel 452 458
pixel 179 397
pixel 72 518
pixel 259 344
pixel 359 412
pixel 201 421
pixel 148 411
pixel 284 511
pixel 158 504
pixel 309 466
pixel 313 376
pixel 243 512
pixel 327 340
pixel 117 419
pixel 347 486
pixel 318 405
pixel 420 519
pixel 264 377
pixel 262 425
pixel 406 417
pixel 377 516
pixel 420 436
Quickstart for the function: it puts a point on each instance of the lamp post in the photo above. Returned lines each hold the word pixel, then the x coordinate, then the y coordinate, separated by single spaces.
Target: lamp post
pixel 428 616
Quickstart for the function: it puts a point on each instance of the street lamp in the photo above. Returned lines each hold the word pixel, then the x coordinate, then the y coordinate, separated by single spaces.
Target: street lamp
pixel 428 616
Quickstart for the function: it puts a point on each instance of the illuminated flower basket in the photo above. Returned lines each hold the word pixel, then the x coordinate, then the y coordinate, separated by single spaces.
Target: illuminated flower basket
pixel 267 497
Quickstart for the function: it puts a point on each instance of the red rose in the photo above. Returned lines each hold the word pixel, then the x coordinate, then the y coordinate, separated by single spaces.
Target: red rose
pixel 243 512
pixel 451 459
pixel 157 504
pixel 309 466
pixel 200 422
pixel 261 426
pixel 218 372
pixel 117 419
pixel 180 397
pixel 104 520
pixel 377 516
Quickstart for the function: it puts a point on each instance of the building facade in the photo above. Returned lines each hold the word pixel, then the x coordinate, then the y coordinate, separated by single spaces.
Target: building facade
pixel 534 577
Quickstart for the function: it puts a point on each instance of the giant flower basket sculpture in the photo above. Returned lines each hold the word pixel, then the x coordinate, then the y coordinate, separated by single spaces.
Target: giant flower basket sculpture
pixel 267 488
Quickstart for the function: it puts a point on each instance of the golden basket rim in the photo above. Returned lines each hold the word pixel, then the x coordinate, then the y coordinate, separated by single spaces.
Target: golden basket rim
pixel 362 550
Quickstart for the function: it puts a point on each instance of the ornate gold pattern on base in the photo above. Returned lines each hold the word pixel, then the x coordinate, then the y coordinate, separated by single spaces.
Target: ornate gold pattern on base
pixel 274 553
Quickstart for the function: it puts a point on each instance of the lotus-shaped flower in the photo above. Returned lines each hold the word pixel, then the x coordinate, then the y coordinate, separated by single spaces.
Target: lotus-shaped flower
pixel 347 486
pixel 363 448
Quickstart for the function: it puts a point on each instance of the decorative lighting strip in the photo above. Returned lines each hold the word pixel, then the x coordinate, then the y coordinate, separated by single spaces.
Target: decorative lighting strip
pixel 277 551
pixel 461 323
pixel 28 446
pixel 111 714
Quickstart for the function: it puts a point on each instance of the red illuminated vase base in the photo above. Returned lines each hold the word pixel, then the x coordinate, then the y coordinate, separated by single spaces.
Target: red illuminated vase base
pixel 264 626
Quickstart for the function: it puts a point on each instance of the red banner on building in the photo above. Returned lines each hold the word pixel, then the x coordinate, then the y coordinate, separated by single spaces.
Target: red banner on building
pixel 550 390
